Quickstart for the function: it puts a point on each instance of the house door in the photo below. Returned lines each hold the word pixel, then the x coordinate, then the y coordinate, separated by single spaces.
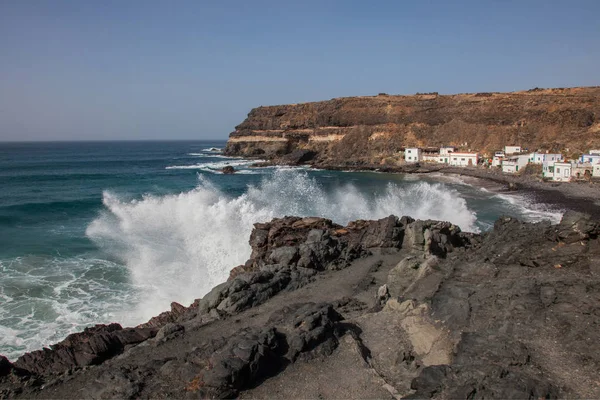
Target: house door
pixel 470 162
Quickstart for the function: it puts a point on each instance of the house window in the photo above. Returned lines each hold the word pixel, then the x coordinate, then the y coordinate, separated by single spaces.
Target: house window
pixel 409 151
pixel 454 158
pixel 462 159
pixel 557 170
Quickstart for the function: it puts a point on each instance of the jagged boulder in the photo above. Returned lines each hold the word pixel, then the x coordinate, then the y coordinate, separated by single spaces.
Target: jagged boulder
pixel 92 346
pixel 177 310
pixel 576 226
pixel 314 331
pixel 228 170
pixel 247 357
pixel 318 243
pixel 434 237
pixel 303 331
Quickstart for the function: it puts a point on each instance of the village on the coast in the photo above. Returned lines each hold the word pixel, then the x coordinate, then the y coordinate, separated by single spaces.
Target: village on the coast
pixel 513 160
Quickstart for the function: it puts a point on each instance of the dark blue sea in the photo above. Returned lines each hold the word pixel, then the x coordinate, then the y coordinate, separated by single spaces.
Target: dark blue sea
pixel 96 232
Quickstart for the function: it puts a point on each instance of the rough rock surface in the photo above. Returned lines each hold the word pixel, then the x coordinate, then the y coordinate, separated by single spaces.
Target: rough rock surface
pixel 417 309
pixel 92 346
pixel 228 169
pixel 372 129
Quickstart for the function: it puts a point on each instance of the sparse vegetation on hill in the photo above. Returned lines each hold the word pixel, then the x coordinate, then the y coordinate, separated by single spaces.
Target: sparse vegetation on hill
pixel 377 127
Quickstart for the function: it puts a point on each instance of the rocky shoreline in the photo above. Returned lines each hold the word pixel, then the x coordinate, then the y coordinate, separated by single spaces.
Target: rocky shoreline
pixel 393 308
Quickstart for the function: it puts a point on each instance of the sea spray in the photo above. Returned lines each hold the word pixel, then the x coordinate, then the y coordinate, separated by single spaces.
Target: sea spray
pixel 178 247
pixel 165 246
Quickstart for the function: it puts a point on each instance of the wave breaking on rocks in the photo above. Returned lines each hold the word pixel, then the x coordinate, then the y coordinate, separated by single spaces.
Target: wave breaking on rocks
pixel 388 308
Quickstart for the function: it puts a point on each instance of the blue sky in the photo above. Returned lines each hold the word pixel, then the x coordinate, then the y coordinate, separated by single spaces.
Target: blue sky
pixel 103 70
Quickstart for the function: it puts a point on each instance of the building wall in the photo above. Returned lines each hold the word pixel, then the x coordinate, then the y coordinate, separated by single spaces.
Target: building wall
pixel 445 151
pixel 540 158
pixel 509 167
pixel 515 163
pixel 548 169
pixel 590 158
pixel 462 159
pixel 431 157
pixel 412 155
pixel 562 172
pixel 536 158
pixel 512 149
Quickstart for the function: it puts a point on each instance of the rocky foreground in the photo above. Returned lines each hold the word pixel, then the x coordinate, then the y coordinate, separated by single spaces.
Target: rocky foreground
pixel 393 308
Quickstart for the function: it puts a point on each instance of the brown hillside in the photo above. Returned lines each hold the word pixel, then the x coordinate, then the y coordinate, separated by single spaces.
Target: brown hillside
pixel 376 127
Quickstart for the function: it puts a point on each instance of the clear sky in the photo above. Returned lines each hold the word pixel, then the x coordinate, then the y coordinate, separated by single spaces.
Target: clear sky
pixel 126 69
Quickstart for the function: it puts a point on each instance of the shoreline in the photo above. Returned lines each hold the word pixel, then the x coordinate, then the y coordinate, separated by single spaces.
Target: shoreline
pixel 576 196
pixel 560 196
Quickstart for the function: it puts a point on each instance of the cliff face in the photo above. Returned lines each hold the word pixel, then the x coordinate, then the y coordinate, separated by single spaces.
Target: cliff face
pixel 371 129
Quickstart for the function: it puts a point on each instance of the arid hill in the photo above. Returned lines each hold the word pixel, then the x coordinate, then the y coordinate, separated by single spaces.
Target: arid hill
pixel 370 129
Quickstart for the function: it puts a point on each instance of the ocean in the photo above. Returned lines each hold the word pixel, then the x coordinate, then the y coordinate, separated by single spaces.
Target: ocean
pixel 98 232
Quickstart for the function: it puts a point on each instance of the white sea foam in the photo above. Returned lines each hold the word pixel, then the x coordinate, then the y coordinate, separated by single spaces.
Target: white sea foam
pixel 178 247
pixel 531 211
pixel 39 308
pixel 215 166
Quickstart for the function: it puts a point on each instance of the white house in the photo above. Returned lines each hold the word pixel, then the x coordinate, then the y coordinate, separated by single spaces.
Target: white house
pixel 513 164
pixel 463 159
pixel 512 150
pixel 562 171
pixel 594 152
pixel 540 158
pixel 548 169
pixel 445 152
pixel 590 158
pixel 412 155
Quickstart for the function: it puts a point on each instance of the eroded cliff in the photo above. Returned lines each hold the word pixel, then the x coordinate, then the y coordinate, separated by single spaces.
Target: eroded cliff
pixel 371 129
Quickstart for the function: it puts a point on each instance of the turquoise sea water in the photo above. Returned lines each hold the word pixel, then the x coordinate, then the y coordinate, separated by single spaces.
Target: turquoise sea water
pixel 115 231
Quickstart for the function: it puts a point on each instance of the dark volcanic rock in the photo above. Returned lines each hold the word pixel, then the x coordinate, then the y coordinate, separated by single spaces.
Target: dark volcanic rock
pixel 247 357
pixel 177 310
pixel 433 312
pixel 298 157
pixel 228 169
pixel 318 243
pixel 576 226
pixel 92 346
pixel 253 355
pixel 314 331
pixel 5 366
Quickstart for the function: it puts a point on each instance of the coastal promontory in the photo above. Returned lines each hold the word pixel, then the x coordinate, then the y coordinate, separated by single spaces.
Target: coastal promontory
pixel 369 129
